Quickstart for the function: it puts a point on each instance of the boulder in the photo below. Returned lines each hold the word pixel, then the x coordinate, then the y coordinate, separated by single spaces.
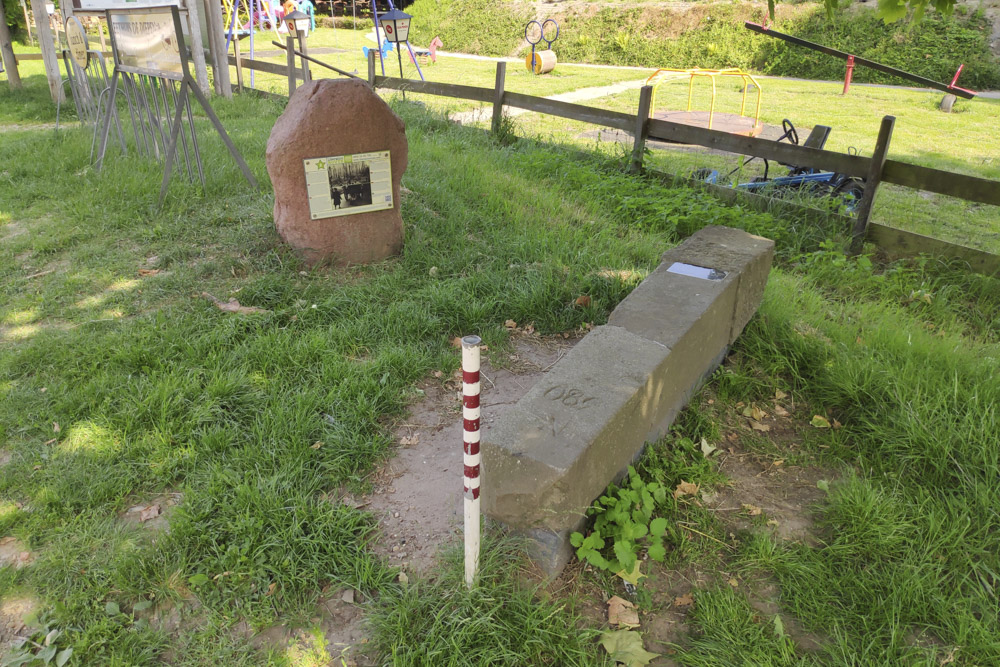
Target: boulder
pixel 328 118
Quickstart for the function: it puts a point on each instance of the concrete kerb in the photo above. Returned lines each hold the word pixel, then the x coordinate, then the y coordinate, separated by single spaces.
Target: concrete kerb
pixel 558 448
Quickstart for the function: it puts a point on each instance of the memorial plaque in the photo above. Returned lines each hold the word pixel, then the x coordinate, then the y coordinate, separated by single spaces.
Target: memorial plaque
pixel 348 184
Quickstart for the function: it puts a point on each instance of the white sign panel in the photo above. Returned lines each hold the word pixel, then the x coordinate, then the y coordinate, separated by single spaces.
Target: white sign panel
pixel 146 42
pixel 348 184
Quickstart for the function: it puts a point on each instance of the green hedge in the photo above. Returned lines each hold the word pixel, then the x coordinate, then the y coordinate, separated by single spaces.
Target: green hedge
pixel 616 35
pixel 483 27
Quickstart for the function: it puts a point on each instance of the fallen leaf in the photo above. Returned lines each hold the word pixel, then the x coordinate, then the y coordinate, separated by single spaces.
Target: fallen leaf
pixel 583 300
pixel 403 579
pixel 772 522
pixel 758 414
pixel 456 342
pixel 622 612
pixel 778 394
pixel 55 427
pixel 707 449
pixel 148 272
pixel 819 421
pixel 685 489
pixel 748 411
pixel 233 306
pixel 219 576
pixel 438 374
pixel 52 441
pixel 625 646
pixel 685 600
pixel 752 510
pixel 836 424
pixel 822 485
pixel 348 596
pixel 733 582
pixel 779 627
pixel 150 512
pixel 780 411
pixel 950 658
pixel 779 462
pixel 632 577
pixel 510 324
pixel 270 588
pixel 316 445
pixel 757 426
pixel 409 441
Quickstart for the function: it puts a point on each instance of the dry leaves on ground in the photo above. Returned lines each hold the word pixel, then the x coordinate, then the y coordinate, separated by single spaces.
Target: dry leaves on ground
pixel 583 300
pixel 233 306
pixel 685 600
pixel 685 489
pixel 150 512
pixel 148 272
pixel 622 613
pixel 410 441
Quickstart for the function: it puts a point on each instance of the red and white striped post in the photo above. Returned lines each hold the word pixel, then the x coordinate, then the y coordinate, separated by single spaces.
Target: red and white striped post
pixel 470 425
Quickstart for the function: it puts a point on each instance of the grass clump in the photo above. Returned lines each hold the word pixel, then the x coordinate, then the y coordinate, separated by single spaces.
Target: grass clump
pixel 502 621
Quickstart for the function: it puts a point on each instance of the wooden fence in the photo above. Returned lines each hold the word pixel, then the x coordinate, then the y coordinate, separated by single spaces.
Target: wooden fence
pixel 875 170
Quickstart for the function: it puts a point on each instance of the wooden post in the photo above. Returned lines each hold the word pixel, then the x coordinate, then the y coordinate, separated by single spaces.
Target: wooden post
pixel 27 22
pixel 306 76
pixel 872 183
pixel 371 68
pixel 217 46
pixel 197 47
pixel 641 129
pixel 7 53
pixel 49 56
pixel 290 60
pixel 100 33
pixel 239 63
pixel 498 96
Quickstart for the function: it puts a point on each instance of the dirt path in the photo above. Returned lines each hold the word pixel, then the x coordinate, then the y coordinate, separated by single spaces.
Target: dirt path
pixel 418 494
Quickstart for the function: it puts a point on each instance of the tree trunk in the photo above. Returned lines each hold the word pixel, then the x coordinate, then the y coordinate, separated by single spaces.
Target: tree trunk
pixel 7 52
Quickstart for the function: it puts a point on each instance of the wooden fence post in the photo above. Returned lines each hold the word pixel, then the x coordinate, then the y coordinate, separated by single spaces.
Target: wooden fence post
pixel 871 183
pixel 7 53
pixel 239 63
pixel 290 59
pixel 641 129
pixel 49 55
pixel 371 68
pixel 498 96
pixel 217 46
pixel 306 74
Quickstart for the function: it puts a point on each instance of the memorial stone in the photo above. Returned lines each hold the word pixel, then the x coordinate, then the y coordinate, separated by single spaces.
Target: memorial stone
pixel 336 157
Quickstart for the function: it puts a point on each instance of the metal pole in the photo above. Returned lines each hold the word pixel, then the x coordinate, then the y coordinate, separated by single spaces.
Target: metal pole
pixel 471 459
pixel 849 74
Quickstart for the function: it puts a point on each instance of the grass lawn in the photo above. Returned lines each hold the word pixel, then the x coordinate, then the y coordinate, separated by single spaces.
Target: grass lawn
pixel 122 387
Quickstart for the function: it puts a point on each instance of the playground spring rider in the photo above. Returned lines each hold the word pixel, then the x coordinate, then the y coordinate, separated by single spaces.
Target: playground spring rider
pixel 541 62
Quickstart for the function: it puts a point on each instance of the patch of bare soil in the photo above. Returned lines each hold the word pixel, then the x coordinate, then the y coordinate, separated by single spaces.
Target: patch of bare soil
pixel 153 514
pixel 5 457
pixel 15 553
pixel 765 487
pixel 15 613
pixel 418 494
pixel 339 619
pixel 764 492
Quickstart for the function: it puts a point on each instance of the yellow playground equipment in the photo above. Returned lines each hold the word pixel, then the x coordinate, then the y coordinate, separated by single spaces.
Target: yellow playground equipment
pixel 662 76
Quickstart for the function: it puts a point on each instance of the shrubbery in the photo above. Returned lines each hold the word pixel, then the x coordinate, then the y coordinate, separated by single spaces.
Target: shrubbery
pixel 712 35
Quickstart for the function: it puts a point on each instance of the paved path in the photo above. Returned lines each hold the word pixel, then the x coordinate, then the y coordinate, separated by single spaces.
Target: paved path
pixel 486 113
